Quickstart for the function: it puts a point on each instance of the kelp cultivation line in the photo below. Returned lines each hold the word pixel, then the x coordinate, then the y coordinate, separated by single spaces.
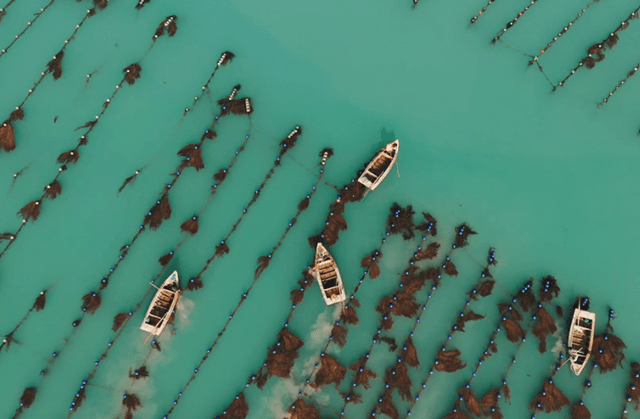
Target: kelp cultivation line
pixel 38 305
pixel 514 332
pixel 91 301
pixel 331 370
pixel 536 58
pixel 7 131
pixel 31 211
pixel 633 392
pixel 484 9
pixel 596 50
pixel 263 263
pixel 29 24
pixel 282 354
pixel 225 58
pixel 513 22
pixel 579 410
pixel 196 283
pixel 121 320
pixel 403 303
pixel 286 144
pixel 447 360
pixel 629 75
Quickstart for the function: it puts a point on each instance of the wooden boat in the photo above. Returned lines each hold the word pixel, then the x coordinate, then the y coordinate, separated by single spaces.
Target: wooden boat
pixel 581 338
pixel 380 166
pixel 162 305
pixel 326 271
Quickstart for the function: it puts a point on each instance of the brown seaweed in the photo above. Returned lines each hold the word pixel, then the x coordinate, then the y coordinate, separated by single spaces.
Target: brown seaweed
pixel 389 341
pixel 489 405
pixel 609 352
pixel 387 407
pixel 371 263
pixel 31 211
pixel 220 176
pixel 290 141
pixel 55 65
pixel 431 224
pixel 550 399
pixel 28 397
pixel 546 326
pixel 16 115
pixel 471 403
pixel 469 316
pixel 222 249
pixel 100 4
pixel 580 411
pixel 67 157
pixel 283 354
pixel 263 263
pixel 549 289
pixel 91 302
pixel 193 156
pixel 52 190
pixel 40 301
pixel 194 284
pixel 165 259
pixel 131 402
pixel 514 331
pixel 429 253
pixel 402 304
pixel 168 25
pixel 132 73
pixel 142 372
pixel 400 221
pixel 118 320
pixel 363 375
pixel 190 226
pixel 409 354
pixel 526 298
pixel 339 334
pixel 299 410
pixel 7 137
pixel 398 377
pixel 462 237
pixel 448 361
pixel 331 371
pixel 238 409
pixel 450 269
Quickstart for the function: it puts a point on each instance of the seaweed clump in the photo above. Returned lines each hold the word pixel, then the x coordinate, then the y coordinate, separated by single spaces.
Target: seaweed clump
pixel 400 221
pixel 462 238
pixel 142 372
pixel 609 352
pixel 372 264
pixel 449 361
pixel 550 399
pixel 132 73
pixel 91 302
pixel 299 410
pixel 283 354
pixel 331 371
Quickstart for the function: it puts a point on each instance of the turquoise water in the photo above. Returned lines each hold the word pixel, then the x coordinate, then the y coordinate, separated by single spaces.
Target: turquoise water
pixel 546 178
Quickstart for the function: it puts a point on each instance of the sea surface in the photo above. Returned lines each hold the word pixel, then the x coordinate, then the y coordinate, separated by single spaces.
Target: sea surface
pixel 545 177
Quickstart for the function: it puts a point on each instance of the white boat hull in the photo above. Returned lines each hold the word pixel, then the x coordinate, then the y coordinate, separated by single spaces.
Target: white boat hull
pixel 326 272
pixel 162 305
pixel 380 166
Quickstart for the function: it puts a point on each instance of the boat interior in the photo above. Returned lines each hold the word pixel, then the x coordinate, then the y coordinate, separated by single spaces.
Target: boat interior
pixel 328 276
pixel 581 339
pixel 161 307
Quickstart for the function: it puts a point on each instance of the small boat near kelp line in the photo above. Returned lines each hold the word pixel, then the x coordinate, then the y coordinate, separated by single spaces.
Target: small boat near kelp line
pixel 326 272
pixel 581 337
pixel 162 306
pixel 380 166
